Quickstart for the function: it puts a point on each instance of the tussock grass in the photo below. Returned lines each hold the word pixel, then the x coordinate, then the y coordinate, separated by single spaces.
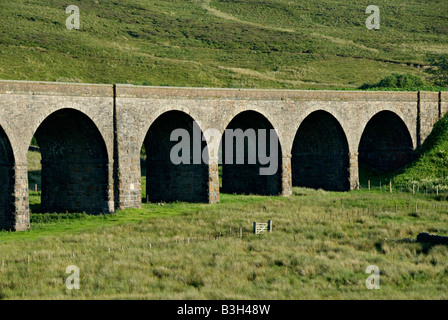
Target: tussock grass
pixel 320 246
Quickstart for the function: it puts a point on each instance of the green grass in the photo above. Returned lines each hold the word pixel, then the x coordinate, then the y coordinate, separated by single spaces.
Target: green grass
pixel 220 43
pixel 320 246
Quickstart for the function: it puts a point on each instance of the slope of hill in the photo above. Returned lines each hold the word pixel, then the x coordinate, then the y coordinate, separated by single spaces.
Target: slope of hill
pixel 220 43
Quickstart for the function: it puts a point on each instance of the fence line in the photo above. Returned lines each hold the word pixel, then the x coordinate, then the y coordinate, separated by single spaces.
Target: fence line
pixel 356 213
pixel 242 232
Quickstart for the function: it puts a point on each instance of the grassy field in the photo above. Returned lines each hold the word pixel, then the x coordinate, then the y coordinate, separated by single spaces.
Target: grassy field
pixel 320 247
pixel 220 43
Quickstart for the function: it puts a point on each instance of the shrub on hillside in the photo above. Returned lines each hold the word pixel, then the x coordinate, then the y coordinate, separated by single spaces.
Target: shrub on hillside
pixel 397 81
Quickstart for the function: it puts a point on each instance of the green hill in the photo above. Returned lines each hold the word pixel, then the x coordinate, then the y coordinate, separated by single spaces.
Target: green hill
pixel 220 43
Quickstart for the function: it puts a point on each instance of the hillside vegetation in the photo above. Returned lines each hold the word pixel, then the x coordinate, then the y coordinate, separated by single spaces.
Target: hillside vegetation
pixel 220 43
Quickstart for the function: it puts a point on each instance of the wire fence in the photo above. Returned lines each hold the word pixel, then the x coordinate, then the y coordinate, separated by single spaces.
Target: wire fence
pixel 236 233
pixel 347 212
pixel 342 210
pixel 352 214
pixel 417 188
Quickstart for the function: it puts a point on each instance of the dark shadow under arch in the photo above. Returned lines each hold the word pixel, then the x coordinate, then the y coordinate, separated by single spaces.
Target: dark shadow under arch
pixel 246 178
pixel 7 218
pixel 166 181
pixel 386 144
pixel 74 164
pixel 320 154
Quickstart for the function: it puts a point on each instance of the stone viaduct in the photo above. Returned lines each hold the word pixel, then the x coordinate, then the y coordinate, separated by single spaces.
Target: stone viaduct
pixel 91 136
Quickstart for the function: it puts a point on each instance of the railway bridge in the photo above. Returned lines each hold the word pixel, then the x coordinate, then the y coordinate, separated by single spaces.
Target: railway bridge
pixel 91 137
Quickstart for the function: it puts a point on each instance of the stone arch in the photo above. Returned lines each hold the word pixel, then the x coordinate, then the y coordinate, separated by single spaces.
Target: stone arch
pixel 168 181
pixel 7 210
pixel 320 153
pixel 247 178
pixel 386 143
pixel 146 121
pixel 74 163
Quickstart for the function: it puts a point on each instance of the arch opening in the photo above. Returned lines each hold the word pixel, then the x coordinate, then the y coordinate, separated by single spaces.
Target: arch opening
pixel 74 165
pixel 256 174
pixel 168 180
pixel 7 218
pixel 385 145
pixel 320 154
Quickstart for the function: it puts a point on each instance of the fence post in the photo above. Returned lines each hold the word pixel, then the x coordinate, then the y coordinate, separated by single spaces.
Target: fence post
pixel 413 189
pixel 269 225
pixel 255 227
pixel 368 183
pixel 437 189
pixel 390 186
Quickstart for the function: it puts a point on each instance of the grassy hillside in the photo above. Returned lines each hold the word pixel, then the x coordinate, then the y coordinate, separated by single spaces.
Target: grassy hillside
pixel 220 43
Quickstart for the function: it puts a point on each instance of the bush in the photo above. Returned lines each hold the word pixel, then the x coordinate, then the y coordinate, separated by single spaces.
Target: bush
pixel 405 81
